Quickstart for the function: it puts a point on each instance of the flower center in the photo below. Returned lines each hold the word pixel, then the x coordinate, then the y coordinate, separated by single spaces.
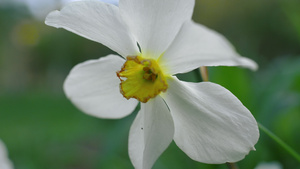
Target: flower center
pixel 141 79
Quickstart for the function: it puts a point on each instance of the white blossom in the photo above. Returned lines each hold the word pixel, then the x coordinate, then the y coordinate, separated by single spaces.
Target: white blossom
pixel 205 120
pixel 5 163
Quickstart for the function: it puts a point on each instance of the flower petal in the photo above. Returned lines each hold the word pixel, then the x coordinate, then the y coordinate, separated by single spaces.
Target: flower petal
pixel 155 23
pixel 93 87
pixel 211 124
pixel 97 21
pixel 195 46
pixel 150 134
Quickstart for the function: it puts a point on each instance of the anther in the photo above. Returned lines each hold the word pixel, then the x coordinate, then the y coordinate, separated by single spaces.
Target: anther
pixel 149 75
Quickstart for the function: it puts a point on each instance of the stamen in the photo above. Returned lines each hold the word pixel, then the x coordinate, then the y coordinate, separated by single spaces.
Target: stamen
pixel 146 69
pixel 148 74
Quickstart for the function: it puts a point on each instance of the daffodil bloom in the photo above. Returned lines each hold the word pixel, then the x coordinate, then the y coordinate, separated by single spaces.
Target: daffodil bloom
pixel 269 165
pixel 5 163
pixel 157 39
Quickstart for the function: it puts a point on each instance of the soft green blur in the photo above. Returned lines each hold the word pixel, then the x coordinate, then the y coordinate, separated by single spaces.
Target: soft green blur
pixel 43 130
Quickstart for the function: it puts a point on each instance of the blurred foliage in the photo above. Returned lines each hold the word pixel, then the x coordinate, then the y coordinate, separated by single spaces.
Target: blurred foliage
pixel 42 129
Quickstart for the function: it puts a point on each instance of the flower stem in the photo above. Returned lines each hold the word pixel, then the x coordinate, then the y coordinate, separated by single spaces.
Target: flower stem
pixel 280 142
pixel 232 166
pixel 204 73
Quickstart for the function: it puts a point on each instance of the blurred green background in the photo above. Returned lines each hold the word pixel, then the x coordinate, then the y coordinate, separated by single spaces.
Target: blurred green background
pixel 43 130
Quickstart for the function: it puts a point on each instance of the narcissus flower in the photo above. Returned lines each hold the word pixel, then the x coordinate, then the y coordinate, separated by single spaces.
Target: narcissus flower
pixel 157 39
pixel 269 165
pixel 5 163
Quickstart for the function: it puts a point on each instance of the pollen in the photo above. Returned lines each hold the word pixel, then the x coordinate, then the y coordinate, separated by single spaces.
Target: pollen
pixel 141 79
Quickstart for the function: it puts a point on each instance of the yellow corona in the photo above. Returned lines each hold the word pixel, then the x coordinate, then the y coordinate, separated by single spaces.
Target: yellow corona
pixel 141 79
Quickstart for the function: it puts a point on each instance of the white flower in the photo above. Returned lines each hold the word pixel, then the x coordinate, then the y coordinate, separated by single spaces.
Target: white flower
pixel 205 120
pixel 107 1
pixel 269 165
pixel 40 8
pixel 5 163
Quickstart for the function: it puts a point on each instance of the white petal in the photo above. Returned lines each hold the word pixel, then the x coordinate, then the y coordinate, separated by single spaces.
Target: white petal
pixel 93 87
pixel 97 21
pixel 155 23
pixel 196 45
pixel 5 163
pixel 150 134
pixel 211 124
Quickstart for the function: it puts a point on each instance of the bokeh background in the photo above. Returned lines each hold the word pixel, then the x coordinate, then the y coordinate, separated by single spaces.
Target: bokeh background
pixel 43 130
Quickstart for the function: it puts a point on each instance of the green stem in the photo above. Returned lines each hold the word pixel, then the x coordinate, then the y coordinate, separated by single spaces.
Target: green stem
pixel 232 166
pixel 280 142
